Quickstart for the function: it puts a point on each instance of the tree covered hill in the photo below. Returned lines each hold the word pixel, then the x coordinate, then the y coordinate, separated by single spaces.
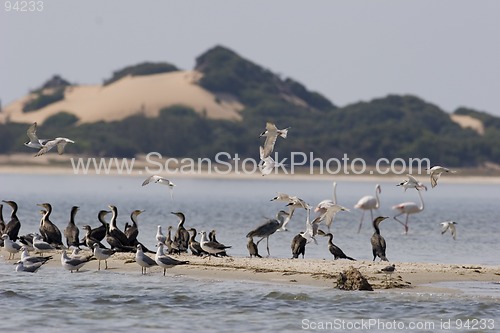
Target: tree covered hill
pixel 390 127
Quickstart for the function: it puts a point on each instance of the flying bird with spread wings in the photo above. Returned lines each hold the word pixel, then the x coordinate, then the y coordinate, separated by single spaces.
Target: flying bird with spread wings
pixel 44 145
pixel 271 133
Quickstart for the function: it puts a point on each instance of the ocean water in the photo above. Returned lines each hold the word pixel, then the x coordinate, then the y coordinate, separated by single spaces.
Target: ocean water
pixel 54 300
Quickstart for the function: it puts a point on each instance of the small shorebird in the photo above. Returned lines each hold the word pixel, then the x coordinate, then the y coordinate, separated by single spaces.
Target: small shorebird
pixel 436 172
pixel 271 133
pixel 388 270
pixel 449 225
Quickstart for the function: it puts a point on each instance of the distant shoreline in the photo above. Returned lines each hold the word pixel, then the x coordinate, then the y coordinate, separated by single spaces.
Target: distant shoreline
pixel 60 164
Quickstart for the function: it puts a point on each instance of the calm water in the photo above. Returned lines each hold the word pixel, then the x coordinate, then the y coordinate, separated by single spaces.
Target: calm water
pixel 111 301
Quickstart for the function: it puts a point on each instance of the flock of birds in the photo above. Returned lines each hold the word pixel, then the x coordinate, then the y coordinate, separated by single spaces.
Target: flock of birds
pixel 50 238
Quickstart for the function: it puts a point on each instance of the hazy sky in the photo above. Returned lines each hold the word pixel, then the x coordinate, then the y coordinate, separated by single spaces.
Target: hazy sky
pixel 446 52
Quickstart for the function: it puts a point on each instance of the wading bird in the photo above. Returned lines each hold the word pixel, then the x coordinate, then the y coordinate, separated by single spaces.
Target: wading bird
pixel 370 203
pixel 408 208
pixel 268 228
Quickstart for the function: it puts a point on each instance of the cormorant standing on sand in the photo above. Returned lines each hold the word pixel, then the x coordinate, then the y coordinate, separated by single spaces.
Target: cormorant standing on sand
pixel 378 242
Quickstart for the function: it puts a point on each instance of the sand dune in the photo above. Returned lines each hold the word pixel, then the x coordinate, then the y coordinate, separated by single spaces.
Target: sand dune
pixel 468 122
pixel 130 96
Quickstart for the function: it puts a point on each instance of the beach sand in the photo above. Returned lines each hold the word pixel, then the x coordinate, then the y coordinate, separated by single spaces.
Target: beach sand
pixel 412 277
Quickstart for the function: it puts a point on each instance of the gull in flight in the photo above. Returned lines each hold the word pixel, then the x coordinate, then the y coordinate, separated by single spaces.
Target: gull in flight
pixel 45 144
pixel 267 164
pixel 412 182
pixel 436 172
pixel 330 212
pixel 59 142
pixel 449 225
pixel 293 202
pixel 271 133
pixel 34 142
pixel 160 180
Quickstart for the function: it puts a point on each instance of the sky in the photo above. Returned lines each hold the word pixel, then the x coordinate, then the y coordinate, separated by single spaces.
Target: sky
pixel 446 52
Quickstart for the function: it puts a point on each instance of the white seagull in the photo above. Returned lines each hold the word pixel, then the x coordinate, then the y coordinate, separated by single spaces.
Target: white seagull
pixel 436 172
pixel 449 225
pixel 165 261
pixel 212 248
pixel 24 266
pixel 11 246
pixel 160 180
pixel 40 245
pixel 412 182
pixel 271 133
pixel 72 264
pixel 143 260
pixel 102 254
pixel 293 202
pixel 160 237
pixel 27 259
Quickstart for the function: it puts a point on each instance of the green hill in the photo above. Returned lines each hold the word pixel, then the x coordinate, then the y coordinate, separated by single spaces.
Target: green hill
pixel 390 127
